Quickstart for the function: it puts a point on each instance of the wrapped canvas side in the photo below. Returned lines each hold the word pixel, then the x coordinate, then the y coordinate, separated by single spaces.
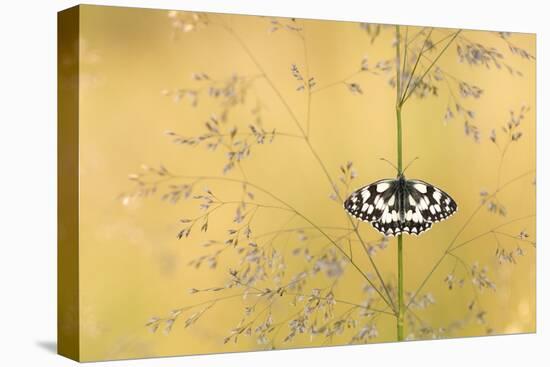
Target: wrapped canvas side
pixel 67 191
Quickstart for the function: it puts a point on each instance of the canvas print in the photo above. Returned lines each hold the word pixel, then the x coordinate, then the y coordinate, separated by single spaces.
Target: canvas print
pixel 234 183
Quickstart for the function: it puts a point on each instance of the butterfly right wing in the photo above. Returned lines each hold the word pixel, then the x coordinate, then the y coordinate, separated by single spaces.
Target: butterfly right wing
pixel 370 202
pixel 423 205
pixel 434 204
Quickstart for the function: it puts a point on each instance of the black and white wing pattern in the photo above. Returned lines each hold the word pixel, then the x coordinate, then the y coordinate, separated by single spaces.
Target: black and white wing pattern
pixel 369 202
pixel 396 206
pixel 432 203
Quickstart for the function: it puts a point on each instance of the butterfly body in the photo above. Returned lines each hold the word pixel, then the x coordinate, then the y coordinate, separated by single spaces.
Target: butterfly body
pixel 397 206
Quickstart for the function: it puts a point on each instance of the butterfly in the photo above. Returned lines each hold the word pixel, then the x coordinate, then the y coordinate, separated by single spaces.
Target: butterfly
pixel 397 206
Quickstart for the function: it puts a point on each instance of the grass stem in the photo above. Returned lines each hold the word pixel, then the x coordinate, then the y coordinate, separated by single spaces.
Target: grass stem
pixel 400 300
pixel 400 275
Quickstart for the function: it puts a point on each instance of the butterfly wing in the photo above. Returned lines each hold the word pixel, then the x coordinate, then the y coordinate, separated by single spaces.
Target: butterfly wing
pixel 412 221
pixel 432 203
pixel 369 202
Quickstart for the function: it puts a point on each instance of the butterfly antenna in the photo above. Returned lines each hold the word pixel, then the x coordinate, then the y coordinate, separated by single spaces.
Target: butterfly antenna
pixel 390 163
pixel 411 162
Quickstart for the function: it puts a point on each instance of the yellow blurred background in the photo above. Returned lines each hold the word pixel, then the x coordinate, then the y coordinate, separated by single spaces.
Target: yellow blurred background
pixel 133 267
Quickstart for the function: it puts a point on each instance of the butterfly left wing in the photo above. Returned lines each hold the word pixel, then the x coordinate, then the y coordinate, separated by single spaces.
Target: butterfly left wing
pixel 369 203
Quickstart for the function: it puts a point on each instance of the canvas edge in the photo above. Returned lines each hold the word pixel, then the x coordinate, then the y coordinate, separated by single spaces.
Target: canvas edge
pixel 68 302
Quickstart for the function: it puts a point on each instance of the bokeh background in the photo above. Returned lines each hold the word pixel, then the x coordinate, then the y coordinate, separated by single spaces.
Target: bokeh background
pixel 132 265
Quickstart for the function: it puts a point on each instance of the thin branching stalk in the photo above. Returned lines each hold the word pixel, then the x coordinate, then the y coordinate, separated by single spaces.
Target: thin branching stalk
pixel 407 96
pixel 387 298
pixel 452 246
pixel 298 213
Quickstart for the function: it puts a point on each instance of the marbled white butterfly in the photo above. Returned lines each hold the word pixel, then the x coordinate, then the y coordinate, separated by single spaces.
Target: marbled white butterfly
pixel 396 206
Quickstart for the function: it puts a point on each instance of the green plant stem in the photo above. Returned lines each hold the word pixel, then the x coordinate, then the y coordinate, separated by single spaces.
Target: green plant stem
pixel 400 301
pixel 402 97
pixel 399 141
